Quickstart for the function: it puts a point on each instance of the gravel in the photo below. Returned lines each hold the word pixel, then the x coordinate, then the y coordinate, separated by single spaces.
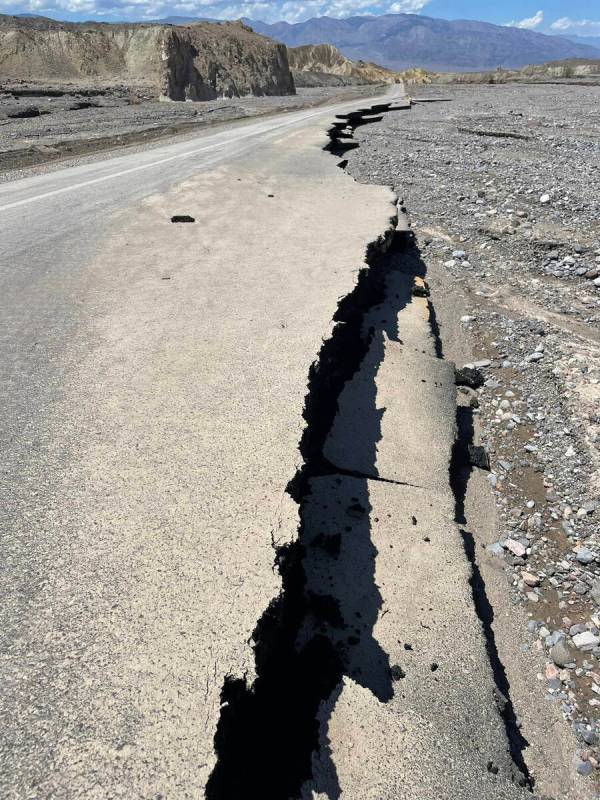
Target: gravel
pixel 513 227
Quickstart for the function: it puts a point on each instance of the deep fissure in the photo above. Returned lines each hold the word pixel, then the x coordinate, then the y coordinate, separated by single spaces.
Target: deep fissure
pixel 269 731
pixel 461 468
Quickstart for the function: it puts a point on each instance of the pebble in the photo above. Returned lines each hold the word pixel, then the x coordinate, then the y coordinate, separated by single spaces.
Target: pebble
pixel 530 579
pixel 515 547
pixel 583 767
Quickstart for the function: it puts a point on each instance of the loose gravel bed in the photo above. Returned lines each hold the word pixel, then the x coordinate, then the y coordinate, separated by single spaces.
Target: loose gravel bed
pixel 503 187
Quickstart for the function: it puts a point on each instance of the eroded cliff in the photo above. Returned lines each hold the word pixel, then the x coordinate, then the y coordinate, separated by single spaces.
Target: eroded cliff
pixel 202 61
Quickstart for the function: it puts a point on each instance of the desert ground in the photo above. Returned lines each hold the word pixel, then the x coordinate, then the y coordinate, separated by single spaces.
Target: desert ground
pixel 501 184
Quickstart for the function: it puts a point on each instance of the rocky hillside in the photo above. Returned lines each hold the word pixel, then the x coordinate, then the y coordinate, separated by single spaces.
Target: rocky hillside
pixel 399 41
pixel 324 59
pixel 201 61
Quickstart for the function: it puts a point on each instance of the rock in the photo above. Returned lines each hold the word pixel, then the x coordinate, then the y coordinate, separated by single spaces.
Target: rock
pixel 478 457
pixel 561 654
pixel 595 592
pixel 575 629
pixel 586 640
pixel 545 199
pixel 515 547
pixel 587 735
pixel 459 254
pixel 530 579
pixel 583 767
pixel 584 555
pixel 469 376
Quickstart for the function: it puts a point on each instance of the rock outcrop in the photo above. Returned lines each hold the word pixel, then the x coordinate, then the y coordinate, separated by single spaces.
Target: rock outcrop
pixel 206 60
pixel 324 59
pixel 201 61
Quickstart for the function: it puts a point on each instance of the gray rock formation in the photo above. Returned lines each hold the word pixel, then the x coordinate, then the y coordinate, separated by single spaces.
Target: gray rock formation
pixel 202 61
pixel 206 61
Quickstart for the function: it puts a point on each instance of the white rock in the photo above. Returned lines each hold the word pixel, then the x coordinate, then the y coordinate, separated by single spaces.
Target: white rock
pixel 586 640
pixel 544 199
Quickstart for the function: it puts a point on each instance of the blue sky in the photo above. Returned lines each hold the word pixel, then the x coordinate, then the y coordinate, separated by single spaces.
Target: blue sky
pixel 581 17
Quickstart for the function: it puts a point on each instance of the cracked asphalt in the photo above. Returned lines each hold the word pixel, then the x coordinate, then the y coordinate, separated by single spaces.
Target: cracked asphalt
pixel 154 378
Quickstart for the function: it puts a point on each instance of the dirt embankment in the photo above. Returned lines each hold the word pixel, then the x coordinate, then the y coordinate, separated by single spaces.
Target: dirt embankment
pixel 203 61
pixel 573 70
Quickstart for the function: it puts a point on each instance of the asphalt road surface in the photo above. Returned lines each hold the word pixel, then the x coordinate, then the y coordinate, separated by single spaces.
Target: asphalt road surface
pixel 153 383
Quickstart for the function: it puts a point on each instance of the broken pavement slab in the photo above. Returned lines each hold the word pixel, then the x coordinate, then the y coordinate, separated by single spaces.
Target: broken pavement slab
pixel 414 714
pixel 408 437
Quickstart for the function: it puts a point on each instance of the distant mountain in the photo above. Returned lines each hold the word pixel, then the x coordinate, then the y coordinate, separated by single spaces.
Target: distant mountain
pixel 591 41
pixel 399 41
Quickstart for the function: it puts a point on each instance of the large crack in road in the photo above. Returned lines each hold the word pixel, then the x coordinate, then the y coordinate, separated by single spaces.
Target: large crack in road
pixel 306 639
pixel 355 667
pixel 272 731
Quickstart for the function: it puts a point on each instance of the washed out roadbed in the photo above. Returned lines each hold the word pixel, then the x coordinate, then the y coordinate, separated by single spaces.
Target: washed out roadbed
pixel 502 185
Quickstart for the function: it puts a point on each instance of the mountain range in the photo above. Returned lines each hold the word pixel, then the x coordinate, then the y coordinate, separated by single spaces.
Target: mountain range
pixel 399 41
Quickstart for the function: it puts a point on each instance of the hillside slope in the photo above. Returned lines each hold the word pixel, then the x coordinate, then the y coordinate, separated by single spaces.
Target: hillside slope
pixel 403 40
pixel 328 60
pixel 202 61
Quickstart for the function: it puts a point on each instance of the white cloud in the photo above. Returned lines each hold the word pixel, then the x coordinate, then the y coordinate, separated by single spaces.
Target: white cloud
pixel 529 23
pixel 408 6
pixel 582 26
pixel 265 10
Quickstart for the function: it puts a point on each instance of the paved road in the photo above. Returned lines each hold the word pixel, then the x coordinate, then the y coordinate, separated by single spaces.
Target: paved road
pixel 153 383
pixel 153 378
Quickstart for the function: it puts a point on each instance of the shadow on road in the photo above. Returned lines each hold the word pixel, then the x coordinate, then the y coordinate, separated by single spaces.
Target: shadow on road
pixel 320 628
